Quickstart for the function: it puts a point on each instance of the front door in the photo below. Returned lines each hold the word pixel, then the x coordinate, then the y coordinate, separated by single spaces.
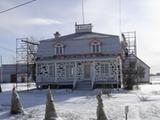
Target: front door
pixel 87 71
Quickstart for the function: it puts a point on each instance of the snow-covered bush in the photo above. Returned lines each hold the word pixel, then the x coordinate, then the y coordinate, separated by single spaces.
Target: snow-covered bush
pixel 16 105
pixel 142 98
pixel 50 111
pixel 155 92
pixel 136 87
pixel 100 111
pixel 107 92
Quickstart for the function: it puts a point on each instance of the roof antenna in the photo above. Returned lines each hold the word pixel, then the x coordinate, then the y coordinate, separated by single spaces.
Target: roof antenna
pixel 120 16
pixel 83 11
pixel 120 19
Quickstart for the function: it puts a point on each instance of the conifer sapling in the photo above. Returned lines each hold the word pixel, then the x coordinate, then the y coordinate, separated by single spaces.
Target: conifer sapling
pixel 50 111
pixel 100 111
pixel 16 105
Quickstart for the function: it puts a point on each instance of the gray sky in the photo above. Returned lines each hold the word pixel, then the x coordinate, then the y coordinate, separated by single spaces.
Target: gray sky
pixel 42 18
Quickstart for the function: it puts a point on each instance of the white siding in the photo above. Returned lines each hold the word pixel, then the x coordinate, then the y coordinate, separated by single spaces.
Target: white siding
pixel 146 78
pixel 75 45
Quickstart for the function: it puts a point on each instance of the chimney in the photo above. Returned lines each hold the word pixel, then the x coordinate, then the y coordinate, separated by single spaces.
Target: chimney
pixel 80 28
pixel 56 35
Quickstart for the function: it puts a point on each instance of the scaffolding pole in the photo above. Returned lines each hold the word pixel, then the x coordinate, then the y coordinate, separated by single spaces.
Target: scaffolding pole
pixel 129 60
pixel 25 58
pixel 1 71
pixel 130 39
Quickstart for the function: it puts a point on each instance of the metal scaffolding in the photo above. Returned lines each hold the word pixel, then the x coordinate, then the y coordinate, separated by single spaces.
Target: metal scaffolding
pixel 25 60
pixel 129 57
pixel 130 39
pixel 1 70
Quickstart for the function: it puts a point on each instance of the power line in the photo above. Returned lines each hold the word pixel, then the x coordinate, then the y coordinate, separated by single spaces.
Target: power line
pixel 3 11
pixel 7 49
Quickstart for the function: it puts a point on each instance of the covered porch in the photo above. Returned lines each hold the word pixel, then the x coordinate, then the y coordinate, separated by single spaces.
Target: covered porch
pixel 74 73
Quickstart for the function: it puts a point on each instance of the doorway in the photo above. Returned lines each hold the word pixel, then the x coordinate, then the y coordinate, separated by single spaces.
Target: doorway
pixel 87 71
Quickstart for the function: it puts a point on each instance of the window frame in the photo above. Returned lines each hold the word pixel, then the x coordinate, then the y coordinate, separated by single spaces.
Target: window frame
pixel 59 49
pixel 104 69
pixel 69 71
pixel 96 47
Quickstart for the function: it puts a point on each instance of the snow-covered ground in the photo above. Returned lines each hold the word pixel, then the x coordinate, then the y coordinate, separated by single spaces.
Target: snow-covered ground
pixel 155 79
pixel 81 105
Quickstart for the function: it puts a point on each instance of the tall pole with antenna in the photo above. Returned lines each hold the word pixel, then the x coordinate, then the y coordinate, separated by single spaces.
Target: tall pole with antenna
pixel 83 11
pixel 120 17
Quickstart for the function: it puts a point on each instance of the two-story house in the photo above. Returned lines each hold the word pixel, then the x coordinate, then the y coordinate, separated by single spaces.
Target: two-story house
pixel 84 58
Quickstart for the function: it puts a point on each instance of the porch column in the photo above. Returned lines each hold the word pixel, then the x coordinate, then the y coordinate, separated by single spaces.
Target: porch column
pixel 55 72
pixel 121 74
pixel 75 72
pixel 94 74
pixel 117 71
pixel 75 75
pixel 36 75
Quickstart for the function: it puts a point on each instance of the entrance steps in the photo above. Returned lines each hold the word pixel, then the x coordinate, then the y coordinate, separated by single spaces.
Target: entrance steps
pixel 84 85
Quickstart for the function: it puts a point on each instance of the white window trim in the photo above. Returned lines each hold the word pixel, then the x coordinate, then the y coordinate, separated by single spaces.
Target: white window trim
pixel 59 49
pixel 69 71
pixel 94 45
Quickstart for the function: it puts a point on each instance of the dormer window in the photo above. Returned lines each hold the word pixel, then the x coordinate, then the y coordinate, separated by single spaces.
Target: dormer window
pixel 59 49
pixel 96 47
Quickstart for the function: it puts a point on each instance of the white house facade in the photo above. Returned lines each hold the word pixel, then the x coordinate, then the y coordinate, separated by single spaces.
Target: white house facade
pixel 81 58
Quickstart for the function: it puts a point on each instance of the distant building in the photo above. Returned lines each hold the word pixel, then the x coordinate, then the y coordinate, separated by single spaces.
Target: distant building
pixel 10 74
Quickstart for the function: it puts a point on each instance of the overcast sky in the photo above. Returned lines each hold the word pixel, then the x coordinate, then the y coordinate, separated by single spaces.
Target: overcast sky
pixel 41 19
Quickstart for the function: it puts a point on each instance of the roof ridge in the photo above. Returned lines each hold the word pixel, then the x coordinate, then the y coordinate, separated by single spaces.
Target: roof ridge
pixel 74 35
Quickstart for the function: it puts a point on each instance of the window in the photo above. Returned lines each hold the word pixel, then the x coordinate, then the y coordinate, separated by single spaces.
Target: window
pixel 96 47
pixel 104 69
pixel 69 71
pixel 51 69
pixel 43 69
pixel 59 49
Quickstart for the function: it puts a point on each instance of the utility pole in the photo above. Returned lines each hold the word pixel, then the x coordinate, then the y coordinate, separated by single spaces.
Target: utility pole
pixel 27 66
pixel 1 68
pixel 1 71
